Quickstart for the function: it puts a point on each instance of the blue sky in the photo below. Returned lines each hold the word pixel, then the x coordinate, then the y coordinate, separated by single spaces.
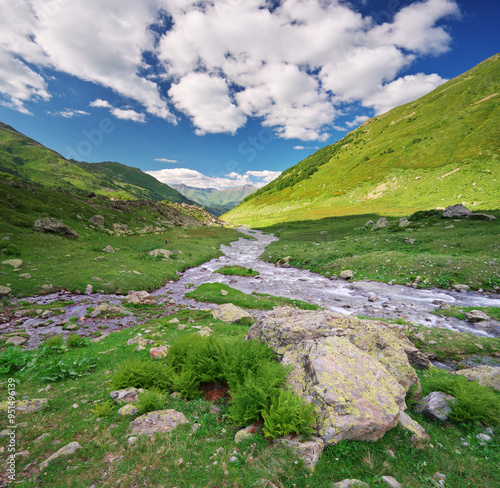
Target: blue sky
pixel 227 92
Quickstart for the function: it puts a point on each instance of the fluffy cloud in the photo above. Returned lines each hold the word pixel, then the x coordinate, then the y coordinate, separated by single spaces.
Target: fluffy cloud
pixel 292 65
pixel 191 177
pixel 69 113
pixel 359 119
pixel 163 160
pixel 402 90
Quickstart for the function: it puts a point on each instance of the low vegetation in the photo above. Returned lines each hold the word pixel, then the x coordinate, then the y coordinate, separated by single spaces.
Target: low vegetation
pixel 80 410
pixel 436 252
pixel 237 271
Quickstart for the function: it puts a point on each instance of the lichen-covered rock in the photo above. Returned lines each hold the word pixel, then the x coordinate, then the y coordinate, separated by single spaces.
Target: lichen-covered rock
pixel 139 298
pixel 407 423
pixel 159 421
pixel 436 406
pixel 158 352
pixel 54 226
pixel 355 372
pixel 26 406
pixel 106 309
pixel 16 263
pixel 68 450
pixel 4 290
pixel 346 274
pixel 128 410
pixel 245 433
pixel 141 341
pixel 127 395
pixel 484 375
pixel 232 314
pixel 309 450
pixel 476 316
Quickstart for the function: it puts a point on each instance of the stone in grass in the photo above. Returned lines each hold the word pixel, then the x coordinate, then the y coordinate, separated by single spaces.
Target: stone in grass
pixel 350 483
pixel 141 341
pixel 484 375
pixel 68 450
pixel 245 433
pixel 159 421
pixel 346 274
pixel 309 451
pixel 128 410
pixel 435 406
pixel 4 290
pixel 407 423
pixel 127 395
pixel 232 314
pixel 390 481
pixel 16 263
pixel 380 224
pixel 16 340
pixel 26 406
pixel 158 352
pixel 106 309
pixel 476 316
pixel 108 249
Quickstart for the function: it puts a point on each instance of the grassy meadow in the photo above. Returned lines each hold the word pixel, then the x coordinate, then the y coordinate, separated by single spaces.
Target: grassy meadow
pixel 442 252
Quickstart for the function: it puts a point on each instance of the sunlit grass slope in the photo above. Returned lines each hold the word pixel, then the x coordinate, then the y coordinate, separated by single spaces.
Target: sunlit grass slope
pixel 439 150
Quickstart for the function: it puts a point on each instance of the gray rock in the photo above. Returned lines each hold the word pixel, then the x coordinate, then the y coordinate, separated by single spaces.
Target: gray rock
pixel 25 275
pixel 159 421
pixel 346 274
pixel 161 252
pixel 435 406
pixel 309 451
pixel 482 216
pixel 16 340
pixel 484 437
pixel 127 395
pixel 407 423
pixel 108 249
pixel 390 481
pixel 380 224
pixel 64 451
pixel 54 226
pixel 132 440
pixel 88 290
pixel 139 298
pixel 97 220
pixel 15 263
pixel 4 290
pixel 456 211
pixel 232 314
pixel 484 375
pixel 460 287
pixel 476 316
pixel 369 223
pixel 404 222
pixel 351 483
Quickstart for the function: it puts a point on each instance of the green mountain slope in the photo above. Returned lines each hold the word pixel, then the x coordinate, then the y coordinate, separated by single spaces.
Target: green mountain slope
pixel 439 150
pixel 216 202
pixel 30 161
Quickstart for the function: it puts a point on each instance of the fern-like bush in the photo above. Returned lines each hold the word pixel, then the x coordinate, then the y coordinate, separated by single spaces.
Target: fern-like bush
pixel 151 400
pixel 143 373
pixel 288 414
pixel 103 410
pixel 473 402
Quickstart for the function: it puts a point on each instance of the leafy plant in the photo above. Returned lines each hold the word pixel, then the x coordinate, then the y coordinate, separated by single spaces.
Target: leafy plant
pixel 473 402
pixel 12 359
pixel 151 400
pixel 76 340
pixel 143 373
pixel 287 414
pixel 104 409
pixel 68 368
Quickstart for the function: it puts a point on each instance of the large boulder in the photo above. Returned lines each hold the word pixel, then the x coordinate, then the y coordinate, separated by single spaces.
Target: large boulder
pixel 232 314
pixel 380 224
pixel 484 375
pixel 54 226
pixel 456 211
pixel 355 372
pixel 436 406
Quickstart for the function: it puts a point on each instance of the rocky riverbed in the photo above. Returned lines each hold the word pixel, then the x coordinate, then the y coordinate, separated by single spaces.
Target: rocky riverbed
pixel 361 298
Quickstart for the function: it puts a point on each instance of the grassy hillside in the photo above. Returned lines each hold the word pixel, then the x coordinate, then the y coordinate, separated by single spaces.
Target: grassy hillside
pixel 439 150
pixel 72 264
pixel 30 161
pixel 215 201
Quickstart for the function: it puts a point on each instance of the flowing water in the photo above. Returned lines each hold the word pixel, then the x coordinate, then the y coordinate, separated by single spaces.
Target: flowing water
pixel 366 298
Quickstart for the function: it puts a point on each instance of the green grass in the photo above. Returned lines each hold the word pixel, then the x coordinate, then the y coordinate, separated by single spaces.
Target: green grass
pixel 442 256
pixel 72 264
pixel 211 293
pixel 201 459
pixel 237 271
pixel 439 150
pixel 459 312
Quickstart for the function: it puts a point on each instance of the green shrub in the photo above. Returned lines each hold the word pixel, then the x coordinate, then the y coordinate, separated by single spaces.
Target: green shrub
pixel 12 359
pixel 151 400
pixel 288 414
pixel 68 368
pixel 473 402
pixel 143 373
pixel 103 410
pixel 55 340
pixel 76 340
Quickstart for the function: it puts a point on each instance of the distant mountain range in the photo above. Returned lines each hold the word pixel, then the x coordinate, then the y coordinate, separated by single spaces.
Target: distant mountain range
pixel 439 150
pixel 215 201
pixel 32 162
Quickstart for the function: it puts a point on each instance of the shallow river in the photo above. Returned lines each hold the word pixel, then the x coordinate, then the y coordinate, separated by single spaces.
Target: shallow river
pixel 366 298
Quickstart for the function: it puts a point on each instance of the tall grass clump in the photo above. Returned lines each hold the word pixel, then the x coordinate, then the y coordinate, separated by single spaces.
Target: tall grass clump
pixel 473 402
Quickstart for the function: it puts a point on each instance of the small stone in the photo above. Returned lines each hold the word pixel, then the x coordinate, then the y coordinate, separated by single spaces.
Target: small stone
pixel 224 292
pixel 476 316
pixel 4 290
pixel 75 405
pixel 351 483
pixel 460 287
pixel 108 249
pixel 15 263
pixel 25 275
pixel 158 352
pixel 391 453
pixel 16 340
pixel 132 440
pixel 439 476
pixel 175 320
pixel 233 459
pixel 390 481
pixel 346 274
pixel 64 451
pixel 484 437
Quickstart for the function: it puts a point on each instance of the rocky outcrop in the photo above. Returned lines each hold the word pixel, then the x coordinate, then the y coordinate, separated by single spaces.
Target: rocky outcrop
pixel 355 372
pixel 97 220
pixel 380 224
pixel 456 211
pixel 484 375
pixel 159 421
pixel 139 298
pixel 232 314
pixel 54 226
